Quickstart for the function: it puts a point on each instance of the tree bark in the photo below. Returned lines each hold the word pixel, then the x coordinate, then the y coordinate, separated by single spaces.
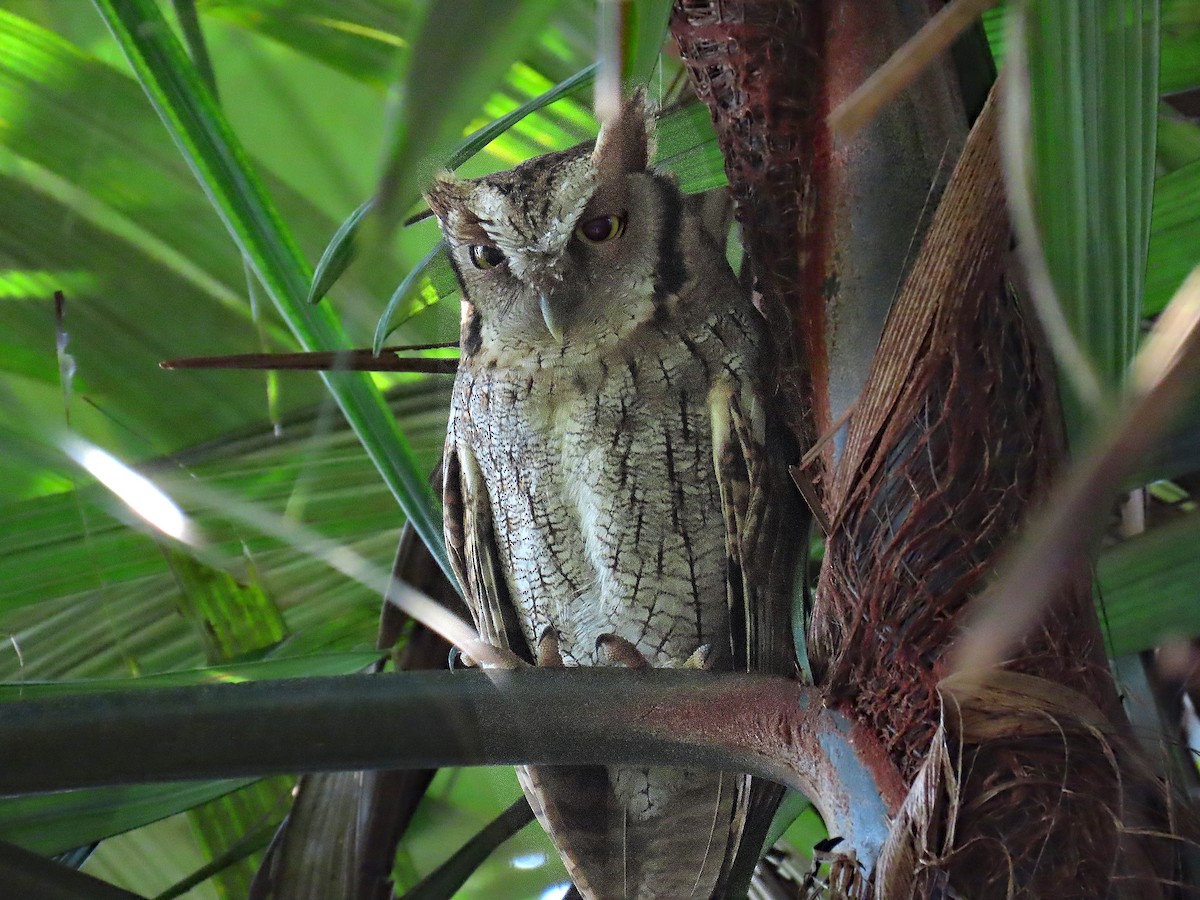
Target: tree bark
pixel 955 437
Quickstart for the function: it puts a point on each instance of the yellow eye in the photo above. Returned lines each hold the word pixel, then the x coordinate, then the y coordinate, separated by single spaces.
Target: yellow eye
pixel 600 229
pixel 485 257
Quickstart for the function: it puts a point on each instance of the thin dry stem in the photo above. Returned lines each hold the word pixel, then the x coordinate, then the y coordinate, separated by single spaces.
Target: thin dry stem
pixel 358 360
pixel 904 66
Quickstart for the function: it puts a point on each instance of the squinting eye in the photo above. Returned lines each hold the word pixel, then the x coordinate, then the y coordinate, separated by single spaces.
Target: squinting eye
pixel 485 257
pixel 600 229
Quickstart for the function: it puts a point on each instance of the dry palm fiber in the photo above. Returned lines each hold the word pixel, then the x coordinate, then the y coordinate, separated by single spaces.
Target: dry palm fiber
pixel 956 436
pixel 829 228
pixel 758 67
pixel 1024 782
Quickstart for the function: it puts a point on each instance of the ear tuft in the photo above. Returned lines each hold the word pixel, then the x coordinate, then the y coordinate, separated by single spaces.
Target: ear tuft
pixel 450 198
pixel 444 194
pixel 624 142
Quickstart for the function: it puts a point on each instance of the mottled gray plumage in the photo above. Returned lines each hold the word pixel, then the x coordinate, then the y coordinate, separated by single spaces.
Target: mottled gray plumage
pixel 615 490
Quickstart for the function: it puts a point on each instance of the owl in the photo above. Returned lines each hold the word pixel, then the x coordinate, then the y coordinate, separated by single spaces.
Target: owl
pixel 615 484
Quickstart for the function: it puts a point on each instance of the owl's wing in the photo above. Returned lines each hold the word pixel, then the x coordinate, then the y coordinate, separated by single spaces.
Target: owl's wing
pixel 571 802
pixel 764 529
pixel 474 553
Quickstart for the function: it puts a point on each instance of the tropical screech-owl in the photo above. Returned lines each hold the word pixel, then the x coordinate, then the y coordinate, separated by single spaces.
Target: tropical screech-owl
pixel 614 490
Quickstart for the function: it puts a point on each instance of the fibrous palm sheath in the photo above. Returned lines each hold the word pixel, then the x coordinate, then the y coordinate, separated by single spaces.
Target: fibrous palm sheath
pixel 615 485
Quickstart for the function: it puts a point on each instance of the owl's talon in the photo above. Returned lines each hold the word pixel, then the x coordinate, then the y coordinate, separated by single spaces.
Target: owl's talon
pixel 548 654
pixel 621 652
pixel 701 660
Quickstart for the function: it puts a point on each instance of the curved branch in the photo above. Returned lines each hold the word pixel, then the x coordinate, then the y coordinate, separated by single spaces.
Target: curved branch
pixel 767 726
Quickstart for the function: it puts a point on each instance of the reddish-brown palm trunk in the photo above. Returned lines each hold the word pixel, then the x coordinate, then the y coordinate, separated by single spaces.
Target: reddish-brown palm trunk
pixel 1023 779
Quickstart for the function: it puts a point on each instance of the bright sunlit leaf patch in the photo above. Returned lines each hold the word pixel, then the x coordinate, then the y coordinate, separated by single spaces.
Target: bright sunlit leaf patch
pixel 140 494
pixel 35 284
pixel 529 861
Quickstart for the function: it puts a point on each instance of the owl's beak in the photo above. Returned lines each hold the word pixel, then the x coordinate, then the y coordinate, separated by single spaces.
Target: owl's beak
pixel 553 325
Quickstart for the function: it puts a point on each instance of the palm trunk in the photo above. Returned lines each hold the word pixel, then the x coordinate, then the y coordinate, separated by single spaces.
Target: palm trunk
pixel 1022 778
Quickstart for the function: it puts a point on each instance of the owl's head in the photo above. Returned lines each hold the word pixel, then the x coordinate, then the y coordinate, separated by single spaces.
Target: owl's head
pixel 565 248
